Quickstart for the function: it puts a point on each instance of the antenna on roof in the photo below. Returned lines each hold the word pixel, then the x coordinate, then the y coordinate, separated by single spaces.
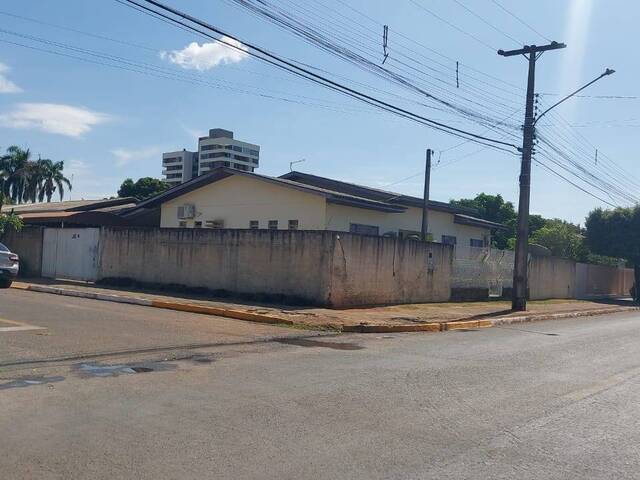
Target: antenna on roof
pixel 291 164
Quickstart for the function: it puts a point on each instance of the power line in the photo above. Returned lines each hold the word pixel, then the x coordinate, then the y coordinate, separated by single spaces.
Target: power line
pixel 504 9
pixel 452 25
pixel 486 22
pixel 295 69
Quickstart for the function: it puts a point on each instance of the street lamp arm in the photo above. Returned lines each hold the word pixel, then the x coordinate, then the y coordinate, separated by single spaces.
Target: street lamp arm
pixel 608 71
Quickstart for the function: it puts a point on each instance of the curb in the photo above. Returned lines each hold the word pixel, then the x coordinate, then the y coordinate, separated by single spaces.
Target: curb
pixel 271 319
pixel 146 302
pixel 560 316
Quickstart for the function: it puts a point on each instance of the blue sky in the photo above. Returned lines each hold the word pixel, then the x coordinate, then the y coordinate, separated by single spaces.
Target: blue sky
pixel 108 124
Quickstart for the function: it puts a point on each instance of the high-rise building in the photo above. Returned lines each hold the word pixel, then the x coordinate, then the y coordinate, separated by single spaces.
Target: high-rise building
pixel 179 167
pixel 218 149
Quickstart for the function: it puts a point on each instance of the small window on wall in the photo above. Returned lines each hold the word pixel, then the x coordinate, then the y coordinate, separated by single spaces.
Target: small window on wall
pixel 254 224
pixel 293 224
pixel 273 224
pixel 182 224
pixel 197 224
pixel 449 239
pixel 474 242
pixel 363 229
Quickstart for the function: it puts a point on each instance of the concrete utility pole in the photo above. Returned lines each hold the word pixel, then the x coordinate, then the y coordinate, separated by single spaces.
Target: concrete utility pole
pixel 425 201
pixel 519 299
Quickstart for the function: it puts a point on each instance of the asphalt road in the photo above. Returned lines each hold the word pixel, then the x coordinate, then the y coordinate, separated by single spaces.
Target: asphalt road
pixel 547 400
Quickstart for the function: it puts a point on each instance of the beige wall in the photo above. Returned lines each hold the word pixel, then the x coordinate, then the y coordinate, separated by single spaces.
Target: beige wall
pixel 440 223
pixel 322 268
pixel 27 244
pixel 237 200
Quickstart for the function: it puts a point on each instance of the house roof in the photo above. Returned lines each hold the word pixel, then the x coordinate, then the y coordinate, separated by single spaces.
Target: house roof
pixel 373 193
pixel 111 205
pixel 220 173
pixel 335 191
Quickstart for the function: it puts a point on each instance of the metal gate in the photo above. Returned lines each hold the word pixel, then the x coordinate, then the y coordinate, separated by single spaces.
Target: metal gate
pixel 70 253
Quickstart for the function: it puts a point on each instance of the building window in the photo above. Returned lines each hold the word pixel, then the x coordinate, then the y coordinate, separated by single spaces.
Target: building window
pixel 362 229
pixel 273 224
pixel 293 224
pixel 182 224
pixel 197 225
pixel 474 242
pixel 254 224
pixel 449 239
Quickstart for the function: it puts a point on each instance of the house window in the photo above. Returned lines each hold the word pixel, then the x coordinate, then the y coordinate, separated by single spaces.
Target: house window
pixel 254 224
pixel 449 239
pixel 197 225
pixel 474 242
pixel 363 229
pixel 182 224
pixel 273 224
pixel 217 224
pixel 293 224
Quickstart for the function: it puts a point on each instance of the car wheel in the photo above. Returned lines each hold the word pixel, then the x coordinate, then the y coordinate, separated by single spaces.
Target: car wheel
pixel 5 283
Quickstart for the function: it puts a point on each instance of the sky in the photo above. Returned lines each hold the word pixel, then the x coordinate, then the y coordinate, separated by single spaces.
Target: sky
pixel 171 86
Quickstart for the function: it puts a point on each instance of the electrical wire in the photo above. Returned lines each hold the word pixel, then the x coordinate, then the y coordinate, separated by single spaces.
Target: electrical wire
pixel 486 22
pixel 295 69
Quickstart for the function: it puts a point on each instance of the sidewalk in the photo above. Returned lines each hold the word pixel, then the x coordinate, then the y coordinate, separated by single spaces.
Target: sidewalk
pixel 410 317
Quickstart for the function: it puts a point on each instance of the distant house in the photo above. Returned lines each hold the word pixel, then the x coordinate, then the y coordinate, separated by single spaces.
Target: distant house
pixel 228 198
pixel 76 213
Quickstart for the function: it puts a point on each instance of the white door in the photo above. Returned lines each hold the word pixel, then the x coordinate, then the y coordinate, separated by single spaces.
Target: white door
pixel 70 253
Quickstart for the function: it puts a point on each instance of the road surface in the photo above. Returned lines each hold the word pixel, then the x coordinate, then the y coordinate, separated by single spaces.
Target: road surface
pixel 108 391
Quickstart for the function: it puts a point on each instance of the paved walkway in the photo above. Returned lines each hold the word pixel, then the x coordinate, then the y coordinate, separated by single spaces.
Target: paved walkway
pixel 324 318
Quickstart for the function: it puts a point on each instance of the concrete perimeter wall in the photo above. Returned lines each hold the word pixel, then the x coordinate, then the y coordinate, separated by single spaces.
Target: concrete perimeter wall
pixel 601 280
pixel 551 277
pixel 370 270
pixel 315 267
pixel 27 244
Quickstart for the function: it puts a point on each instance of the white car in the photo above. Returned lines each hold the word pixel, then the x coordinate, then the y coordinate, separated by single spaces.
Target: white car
pixel 9 265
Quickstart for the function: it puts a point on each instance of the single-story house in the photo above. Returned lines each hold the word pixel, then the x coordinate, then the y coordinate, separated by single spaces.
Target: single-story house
pixel 75 213
pixel 228 198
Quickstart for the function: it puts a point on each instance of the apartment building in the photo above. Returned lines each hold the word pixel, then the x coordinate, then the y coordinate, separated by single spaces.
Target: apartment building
pixel 220 149
pixel 179 167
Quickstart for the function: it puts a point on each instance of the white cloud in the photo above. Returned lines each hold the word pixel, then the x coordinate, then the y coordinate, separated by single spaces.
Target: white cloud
pixel 125 156
pixel 53 118
pixel 208 55
pixel 6 85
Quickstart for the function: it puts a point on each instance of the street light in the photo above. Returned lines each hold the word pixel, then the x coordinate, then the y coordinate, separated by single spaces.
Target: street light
pixel 608 71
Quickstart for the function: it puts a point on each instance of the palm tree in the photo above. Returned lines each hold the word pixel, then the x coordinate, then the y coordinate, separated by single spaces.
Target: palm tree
pixel 52 178
pixel 15 165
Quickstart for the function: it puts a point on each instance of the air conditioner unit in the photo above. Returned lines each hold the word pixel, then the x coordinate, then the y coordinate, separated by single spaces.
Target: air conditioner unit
pixel 186 211
pixel 217 224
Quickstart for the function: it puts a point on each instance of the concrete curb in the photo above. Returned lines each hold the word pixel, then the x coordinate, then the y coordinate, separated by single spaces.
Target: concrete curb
pixel 271 319
pixel 560 316
pixel 146 302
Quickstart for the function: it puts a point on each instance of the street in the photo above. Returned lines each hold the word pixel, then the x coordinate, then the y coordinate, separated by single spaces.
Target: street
pixel 98 390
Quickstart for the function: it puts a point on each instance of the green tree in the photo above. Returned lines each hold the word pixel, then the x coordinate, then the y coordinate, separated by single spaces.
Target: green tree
pixel 10 221
pixel 25 180
pixel 616 233
pixel 494 209
pixel 51 179
pixel 563 239
pixel 143 188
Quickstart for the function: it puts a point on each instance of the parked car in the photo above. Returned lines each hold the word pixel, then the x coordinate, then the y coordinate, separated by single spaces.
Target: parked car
pixel 9 265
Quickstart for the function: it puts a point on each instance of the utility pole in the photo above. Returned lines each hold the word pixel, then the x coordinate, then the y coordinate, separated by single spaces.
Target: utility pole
pixel 519 299
pixel 425 201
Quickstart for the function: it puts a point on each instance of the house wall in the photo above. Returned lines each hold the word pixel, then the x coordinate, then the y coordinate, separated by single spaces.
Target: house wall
pixel 339 218
pixel 238 199
pixel 321 268
pixel 551 277
pixel 27 244
pixel 294 266
pixel 381 271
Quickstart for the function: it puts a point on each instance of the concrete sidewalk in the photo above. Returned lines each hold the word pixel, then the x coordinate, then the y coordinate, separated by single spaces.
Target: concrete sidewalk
pixel 397 318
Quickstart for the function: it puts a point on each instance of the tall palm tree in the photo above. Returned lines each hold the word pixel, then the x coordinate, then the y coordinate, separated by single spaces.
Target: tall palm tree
pixel 52 178
pixel 15 165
